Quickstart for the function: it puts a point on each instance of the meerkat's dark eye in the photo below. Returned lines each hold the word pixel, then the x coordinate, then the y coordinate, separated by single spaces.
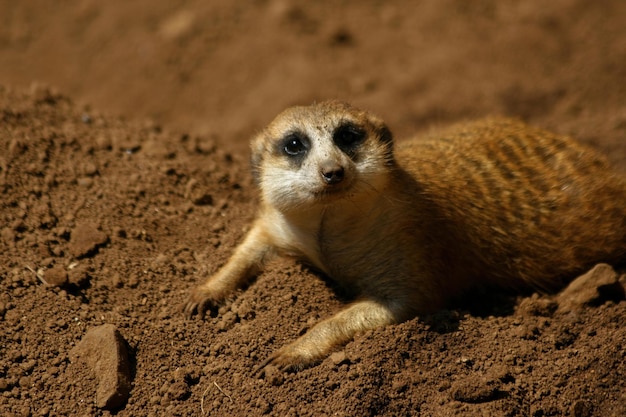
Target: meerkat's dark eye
pixel 348 136
pixel 295 145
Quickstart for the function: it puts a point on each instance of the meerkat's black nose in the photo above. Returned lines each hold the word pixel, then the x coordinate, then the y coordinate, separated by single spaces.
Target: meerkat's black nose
pixel 332 173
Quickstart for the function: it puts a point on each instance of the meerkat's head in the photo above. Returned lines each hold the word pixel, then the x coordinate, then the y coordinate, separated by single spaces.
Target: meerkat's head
pixel 320 153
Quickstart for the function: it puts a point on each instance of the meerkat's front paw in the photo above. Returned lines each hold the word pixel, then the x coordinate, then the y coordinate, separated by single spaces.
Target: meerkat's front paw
pixel 294 357
pixel 201 299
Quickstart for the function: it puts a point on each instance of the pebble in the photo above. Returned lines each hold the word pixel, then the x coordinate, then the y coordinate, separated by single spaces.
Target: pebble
pixel 597 286
pixel 56 276
pixel 78 276
pixel 339 358
pixel 86 239
pixel 103 349
pixel 473 390
pixel 24 382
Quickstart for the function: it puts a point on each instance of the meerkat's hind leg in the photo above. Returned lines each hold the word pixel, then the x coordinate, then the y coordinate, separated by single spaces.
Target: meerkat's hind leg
pixel 320 340
pixel 247 261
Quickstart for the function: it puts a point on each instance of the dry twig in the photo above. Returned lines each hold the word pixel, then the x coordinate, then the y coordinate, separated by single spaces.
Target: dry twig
pixel 204 394
pixel 38 273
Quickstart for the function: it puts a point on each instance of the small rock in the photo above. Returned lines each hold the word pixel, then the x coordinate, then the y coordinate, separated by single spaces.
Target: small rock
pixel 103 349
pixel 339 358
pixel 472 390
pixel 179 390
pixel 78 276
pixel 55 276
pixel 90 169
pixel 597 286
pixel 86 239
pixel 537 306
pixel 162 259
pixel 25 382
pixel 85 182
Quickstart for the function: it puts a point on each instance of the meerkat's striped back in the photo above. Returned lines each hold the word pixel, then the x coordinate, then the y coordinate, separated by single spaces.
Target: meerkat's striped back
pixel 524 203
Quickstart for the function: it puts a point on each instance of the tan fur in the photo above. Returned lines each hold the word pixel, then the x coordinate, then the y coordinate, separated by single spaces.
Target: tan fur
pixel 490 202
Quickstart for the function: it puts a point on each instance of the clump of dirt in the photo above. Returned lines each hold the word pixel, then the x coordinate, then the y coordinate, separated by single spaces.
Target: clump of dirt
pixel 112 207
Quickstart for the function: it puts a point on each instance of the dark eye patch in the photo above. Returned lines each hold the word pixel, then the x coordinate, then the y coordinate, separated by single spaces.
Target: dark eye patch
pixel 348 136
pixel 294 145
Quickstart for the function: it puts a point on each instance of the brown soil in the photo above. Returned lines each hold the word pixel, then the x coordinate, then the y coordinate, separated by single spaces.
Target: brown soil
pixel 121 218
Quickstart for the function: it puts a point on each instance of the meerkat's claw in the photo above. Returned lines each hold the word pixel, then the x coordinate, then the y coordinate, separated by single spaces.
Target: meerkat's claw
pixel 282 363
pixel 260 369
pixel 291 358
pixel 199 302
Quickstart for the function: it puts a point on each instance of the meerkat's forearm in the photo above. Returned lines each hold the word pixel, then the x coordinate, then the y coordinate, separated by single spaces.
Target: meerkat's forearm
pixel 247 261
pixel 335 331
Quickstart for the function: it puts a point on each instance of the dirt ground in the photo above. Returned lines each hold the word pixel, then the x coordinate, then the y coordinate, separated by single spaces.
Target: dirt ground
pixel 124 181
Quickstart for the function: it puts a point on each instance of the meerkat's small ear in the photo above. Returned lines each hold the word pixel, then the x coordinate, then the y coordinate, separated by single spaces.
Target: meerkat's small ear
pixel 256 159
pixel 381 129
pixel 384 133
pixel 385 138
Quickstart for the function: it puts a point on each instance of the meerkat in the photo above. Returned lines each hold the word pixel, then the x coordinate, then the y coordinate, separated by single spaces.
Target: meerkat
pixel 489 202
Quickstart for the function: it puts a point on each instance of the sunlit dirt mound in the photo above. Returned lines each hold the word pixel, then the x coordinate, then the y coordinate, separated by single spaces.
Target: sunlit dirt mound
pixel 105 221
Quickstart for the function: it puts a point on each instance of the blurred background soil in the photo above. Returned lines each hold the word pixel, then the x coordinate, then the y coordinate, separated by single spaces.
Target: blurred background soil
pixel 124 130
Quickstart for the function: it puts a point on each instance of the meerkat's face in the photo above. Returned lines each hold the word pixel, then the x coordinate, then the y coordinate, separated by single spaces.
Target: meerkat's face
pixel 321 153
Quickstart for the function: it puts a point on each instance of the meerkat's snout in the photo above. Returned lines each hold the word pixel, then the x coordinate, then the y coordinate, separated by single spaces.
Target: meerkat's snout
pixel 332 173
